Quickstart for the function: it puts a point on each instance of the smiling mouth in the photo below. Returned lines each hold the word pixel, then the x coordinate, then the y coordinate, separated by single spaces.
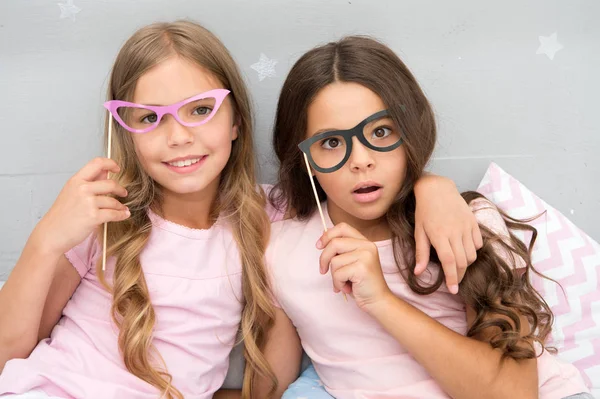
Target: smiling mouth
pixel 183 163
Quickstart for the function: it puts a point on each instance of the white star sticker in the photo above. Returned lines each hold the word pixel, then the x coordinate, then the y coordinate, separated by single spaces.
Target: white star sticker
pixel 265 67
pixel 549 45
pixel 68 10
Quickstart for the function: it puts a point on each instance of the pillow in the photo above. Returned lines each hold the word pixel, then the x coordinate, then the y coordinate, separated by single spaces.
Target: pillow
pixel 566 254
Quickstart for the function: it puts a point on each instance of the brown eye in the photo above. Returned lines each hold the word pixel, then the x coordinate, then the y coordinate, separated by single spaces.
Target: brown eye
pixel 381 132
pixel 331 143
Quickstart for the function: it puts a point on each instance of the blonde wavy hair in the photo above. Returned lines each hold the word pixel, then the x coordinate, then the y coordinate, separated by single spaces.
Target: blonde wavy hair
pixel 238 201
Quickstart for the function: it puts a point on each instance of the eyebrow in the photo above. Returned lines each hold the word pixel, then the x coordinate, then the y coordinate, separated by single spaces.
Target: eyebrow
pixel 334 129
pixel 166 105
pixel 324 131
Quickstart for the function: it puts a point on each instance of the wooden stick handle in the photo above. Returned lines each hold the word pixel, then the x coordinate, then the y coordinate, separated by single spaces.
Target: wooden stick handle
pixel 108 155
pixel 312 182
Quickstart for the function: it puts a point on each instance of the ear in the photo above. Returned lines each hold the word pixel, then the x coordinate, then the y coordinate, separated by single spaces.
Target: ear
pixel 235 130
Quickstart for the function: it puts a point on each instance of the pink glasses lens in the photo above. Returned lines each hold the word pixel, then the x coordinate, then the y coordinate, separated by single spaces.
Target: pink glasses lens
pixel 191 114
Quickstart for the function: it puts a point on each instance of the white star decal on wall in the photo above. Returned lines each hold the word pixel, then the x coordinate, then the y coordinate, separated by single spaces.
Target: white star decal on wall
pixel 549 45
pixel 265 67
pixel 68 10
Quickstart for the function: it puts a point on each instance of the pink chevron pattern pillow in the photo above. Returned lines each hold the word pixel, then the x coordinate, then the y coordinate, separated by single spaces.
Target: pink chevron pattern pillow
pixel 568 255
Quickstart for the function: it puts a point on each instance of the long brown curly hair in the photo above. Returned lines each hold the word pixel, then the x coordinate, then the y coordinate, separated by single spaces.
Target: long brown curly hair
pixel 490 285
pixel 238 201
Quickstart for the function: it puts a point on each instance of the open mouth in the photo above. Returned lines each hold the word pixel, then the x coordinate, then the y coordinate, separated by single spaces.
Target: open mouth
pixel 367 192
pixel 367 189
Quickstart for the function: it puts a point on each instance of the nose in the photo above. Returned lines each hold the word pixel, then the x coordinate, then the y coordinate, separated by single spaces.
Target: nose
pixel 361 157
pixel 178 134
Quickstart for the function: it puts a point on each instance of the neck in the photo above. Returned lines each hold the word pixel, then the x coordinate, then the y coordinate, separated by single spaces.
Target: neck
pixel 373 230
pixel 191 210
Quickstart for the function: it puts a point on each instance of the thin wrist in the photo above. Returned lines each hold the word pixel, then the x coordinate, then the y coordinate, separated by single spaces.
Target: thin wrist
pixel 38 244
pixel 382 306
pixel 438 181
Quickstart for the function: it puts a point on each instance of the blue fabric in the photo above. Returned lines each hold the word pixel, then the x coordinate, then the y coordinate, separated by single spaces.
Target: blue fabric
pixel 307 386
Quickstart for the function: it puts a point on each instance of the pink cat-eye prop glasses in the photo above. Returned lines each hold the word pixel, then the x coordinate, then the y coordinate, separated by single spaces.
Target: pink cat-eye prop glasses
pixel 194 111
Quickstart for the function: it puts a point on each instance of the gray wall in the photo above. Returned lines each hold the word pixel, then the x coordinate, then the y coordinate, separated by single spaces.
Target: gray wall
pixel 495 97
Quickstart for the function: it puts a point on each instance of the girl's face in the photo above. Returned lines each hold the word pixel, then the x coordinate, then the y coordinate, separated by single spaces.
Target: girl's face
pixel 183 160
pixel 367 184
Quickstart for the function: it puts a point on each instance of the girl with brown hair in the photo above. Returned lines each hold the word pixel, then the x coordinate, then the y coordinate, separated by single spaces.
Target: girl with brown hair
pixel 352 120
